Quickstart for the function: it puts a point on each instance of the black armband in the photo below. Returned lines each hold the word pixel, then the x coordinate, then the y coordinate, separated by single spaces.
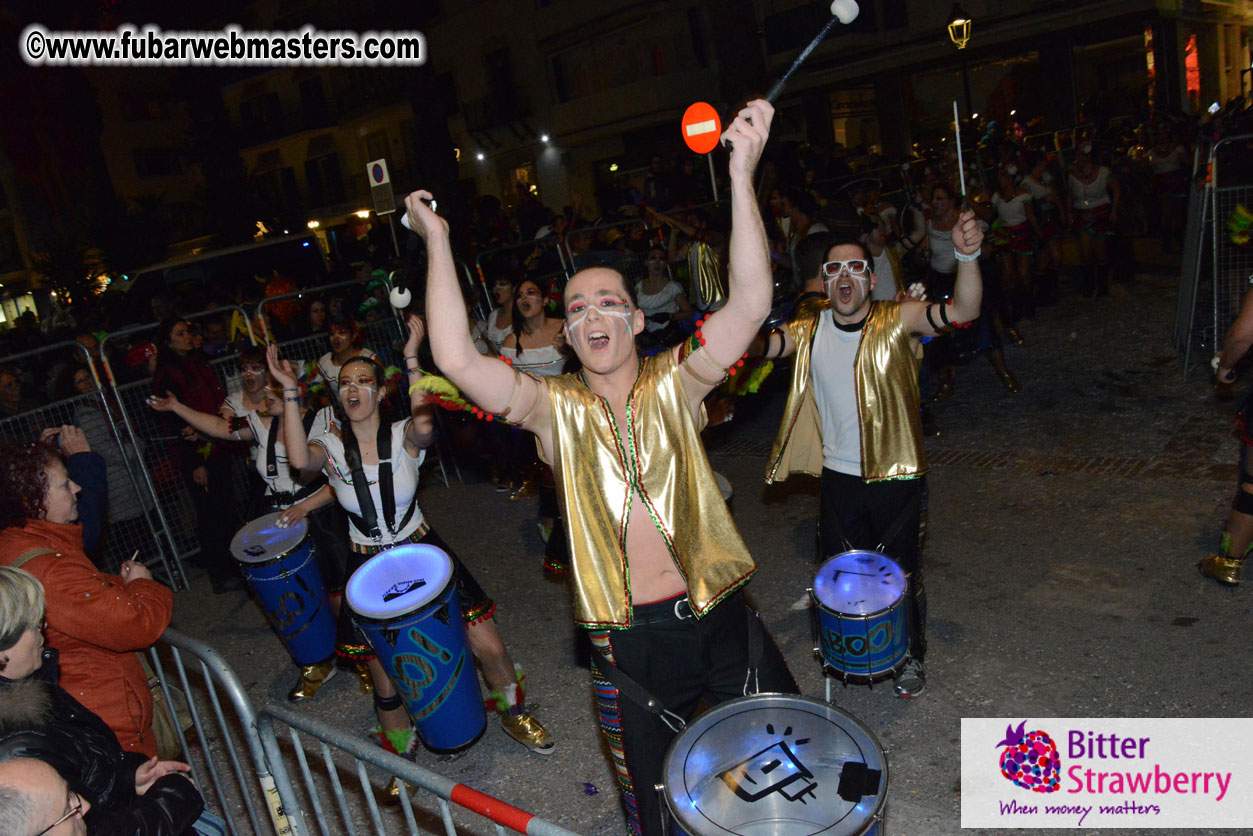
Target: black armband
pixel 235 423
pixel 934 327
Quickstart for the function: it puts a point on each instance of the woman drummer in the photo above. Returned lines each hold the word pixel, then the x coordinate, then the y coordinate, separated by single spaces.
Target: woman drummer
pixel 263 427
pixel 348 453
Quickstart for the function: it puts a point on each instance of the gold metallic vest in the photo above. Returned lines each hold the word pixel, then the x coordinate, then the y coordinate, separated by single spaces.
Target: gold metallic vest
pixel 600 467
pixel 886 377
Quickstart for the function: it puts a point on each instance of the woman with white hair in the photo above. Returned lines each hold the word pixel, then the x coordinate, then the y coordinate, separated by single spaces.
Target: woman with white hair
pixel 126 792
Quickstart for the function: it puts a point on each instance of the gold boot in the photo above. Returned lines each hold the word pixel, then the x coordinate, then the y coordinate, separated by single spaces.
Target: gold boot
pixel 312 678
pixel 364 680
pixel 527 730
pixel 1225 570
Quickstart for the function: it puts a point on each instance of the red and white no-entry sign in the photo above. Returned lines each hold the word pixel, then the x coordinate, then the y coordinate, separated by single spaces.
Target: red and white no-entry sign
pixel 701 127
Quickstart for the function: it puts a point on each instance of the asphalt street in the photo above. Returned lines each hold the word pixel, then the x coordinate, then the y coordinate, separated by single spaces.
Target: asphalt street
pixel 1064 527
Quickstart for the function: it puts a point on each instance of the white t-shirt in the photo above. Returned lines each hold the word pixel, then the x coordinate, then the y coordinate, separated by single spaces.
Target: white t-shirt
pixel 404 483
pixel 664 301
pixel 885 285
pixel 328 370
pixel 282 481
pixel 545 361
pixel 943 255
pixel 831 372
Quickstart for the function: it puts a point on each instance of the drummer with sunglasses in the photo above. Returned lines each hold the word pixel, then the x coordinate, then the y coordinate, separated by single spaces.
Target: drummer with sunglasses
pixel 853 412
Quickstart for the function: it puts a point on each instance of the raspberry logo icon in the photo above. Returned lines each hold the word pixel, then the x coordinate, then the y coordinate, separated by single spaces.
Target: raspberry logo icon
pixel 1030 759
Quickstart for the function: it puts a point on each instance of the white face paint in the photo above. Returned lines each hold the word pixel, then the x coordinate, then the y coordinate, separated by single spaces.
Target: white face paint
pixel 363 388
pixel 863 280
pixel 576 320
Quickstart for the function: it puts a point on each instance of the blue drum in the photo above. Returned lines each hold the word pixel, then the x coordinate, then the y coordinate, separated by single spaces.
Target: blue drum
pixel 859 601
pixel 405 602
pixel 281 569
pixel 775 765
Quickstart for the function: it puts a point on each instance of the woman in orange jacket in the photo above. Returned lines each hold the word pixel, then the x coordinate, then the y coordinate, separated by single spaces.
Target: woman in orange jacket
pixel 95 621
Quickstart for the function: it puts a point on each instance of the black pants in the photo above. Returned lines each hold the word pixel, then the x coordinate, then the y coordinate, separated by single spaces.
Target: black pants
pixel 861 513
pixel 681 661
pixel 216 520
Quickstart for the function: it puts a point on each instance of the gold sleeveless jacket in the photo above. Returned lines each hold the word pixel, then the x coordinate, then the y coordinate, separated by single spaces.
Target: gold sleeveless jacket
pixel 886 384
pixel 602 469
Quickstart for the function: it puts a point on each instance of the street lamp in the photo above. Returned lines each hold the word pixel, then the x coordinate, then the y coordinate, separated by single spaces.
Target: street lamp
pixel 959 26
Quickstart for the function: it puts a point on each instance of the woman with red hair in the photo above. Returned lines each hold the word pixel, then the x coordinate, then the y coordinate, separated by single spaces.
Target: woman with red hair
pixel 95 621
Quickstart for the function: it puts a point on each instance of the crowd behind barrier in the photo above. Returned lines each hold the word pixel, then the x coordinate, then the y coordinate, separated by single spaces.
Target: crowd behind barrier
pixel 135 527
pixel 244 765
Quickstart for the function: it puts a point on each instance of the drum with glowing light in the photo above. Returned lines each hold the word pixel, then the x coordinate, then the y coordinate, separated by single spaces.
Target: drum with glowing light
pixel 404 600
pixel 775 765
pixel 861 630
pixel 279 565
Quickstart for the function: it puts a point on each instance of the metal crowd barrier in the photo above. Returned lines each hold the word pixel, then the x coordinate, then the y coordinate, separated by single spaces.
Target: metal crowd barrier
pixel 1201 318
pixel 222 747
pixel 356 804
pixel 134 522
pixel 240 764
pixel 523 252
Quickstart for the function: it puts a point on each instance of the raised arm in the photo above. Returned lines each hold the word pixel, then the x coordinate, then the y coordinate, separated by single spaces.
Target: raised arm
pixel 728 332
pixel 215 426
pixel 491 384
pixel 421 431
pixel 926 319
pixel 1237 342
pixel 301 456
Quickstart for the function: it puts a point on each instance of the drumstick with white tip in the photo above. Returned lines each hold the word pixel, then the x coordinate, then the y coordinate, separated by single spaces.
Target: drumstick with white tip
pixel 842 11
pixel 961 169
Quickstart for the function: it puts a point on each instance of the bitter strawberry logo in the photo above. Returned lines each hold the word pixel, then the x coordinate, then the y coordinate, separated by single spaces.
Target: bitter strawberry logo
pixel 1030 759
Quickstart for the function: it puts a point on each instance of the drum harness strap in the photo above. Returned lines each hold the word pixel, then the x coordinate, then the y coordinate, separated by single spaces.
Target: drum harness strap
pixel 638 694
pixel 271 463
pixel 367 522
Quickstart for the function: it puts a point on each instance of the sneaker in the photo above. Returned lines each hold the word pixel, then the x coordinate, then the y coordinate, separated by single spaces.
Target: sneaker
pixel 526 730
pixel 312 678
pixel 911 681
pixel 1225 570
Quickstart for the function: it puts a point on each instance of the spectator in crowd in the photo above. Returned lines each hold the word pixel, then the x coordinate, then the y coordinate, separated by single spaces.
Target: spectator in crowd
pixel 59 746
pixel 12 401
pixel 204 466
pixel 663 302
pixel 346 341
pixel 95 620
pixel 315 317
pixel 128 506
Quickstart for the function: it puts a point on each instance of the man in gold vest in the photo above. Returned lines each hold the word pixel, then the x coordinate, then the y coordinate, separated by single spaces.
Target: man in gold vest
pixel 852 414
pixel 656 561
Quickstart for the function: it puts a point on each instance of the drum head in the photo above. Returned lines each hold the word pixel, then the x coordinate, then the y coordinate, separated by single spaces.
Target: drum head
pixel 262 540
pixel 724 486
pixel 859 583
pixel 775 765
pixel 398 581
